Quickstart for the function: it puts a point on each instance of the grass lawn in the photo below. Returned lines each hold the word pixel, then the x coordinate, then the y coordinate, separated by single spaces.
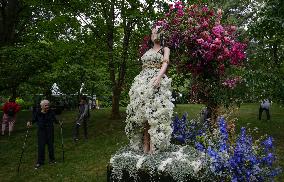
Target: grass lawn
pixel 87 160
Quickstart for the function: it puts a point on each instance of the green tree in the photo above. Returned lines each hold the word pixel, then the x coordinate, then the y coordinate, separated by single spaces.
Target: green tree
pixel 266 55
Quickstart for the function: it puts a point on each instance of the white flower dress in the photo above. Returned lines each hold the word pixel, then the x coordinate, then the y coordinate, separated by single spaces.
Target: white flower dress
pixel 149 104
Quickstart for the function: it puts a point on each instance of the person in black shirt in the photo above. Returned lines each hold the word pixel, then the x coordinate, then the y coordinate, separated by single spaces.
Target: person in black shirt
pixel 82 118
pixel 44 119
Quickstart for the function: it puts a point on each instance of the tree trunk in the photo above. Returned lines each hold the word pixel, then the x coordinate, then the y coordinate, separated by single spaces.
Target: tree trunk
pixel 14 92
pixel 110 17
pixel 275 54
pixel 9 12
pixel 115 114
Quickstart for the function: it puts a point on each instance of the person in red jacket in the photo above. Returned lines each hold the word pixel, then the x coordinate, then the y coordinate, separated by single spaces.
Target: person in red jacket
pixel 9 117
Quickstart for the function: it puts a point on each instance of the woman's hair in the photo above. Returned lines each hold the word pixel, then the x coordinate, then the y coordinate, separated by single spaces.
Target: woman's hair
pixel 150 43
pixel 43 102
pixel 160 36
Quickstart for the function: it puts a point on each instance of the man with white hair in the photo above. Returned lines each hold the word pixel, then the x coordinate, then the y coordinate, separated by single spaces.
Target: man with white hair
pixel 44 119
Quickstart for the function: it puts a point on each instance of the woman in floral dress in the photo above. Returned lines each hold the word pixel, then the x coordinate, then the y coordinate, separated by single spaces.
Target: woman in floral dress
pixel 149 113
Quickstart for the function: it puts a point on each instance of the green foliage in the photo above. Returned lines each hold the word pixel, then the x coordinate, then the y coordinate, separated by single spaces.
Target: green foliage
pixel 25 105
pixel 266 53
pixel 20 63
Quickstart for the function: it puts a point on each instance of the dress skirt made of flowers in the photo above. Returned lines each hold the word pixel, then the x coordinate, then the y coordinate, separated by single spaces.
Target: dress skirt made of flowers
pixel 149 104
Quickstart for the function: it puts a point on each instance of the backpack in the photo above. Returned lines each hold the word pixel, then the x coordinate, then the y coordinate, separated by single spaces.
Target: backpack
pixel 11 112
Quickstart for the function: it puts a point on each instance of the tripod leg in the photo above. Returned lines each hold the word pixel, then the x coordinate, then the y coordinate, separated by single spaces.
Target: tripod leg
pixel 62 144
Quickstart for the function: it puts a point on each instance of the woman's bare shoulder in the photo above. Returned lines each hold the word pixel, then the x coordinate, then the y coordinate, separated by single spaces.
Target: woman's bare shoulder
pixel 166 49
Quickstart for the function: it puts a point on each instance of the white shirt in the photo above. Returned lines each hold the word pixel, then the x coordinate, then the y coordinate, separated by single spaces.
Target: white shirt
pixel 265 104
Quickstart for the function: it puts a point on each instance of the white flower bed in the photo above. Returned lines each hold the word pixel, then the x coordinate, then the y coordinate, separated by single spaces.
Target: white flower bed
pixel 179 162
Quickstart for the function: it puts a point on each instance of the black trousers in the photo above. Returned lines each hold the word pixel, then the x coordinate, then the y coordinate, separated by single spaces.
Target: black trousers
pixel 260 113
pixel 45 136
pixel 76 129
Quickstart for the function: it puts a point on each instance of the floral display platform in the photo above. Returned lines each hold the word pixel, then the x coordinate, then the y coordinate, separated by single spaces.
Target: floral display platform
pixel 178 163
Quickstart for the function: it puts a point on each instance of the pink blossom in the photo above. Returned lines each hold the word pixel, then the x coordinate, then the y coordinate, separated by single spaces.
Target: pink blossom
pixel 178 4
pixel 237 53
pixel 205 42
pixel 200 41
pixel 205 24
pixel 197 27
pixel 217 30
pixel 209 56
pixel 232 82
pixel 217 22
pixel 226 52
pixel 205 9
pixel 206 45
pixel 226 33
pixel 191 13
pixel 217 41
pixel 190 20
pixel 220 58
pixel 213 47
pixel 227 39
pixel 241 55
pixel 233 28
pixel 206 36
pixel 211 13
pixel 180 12
pixel 219 12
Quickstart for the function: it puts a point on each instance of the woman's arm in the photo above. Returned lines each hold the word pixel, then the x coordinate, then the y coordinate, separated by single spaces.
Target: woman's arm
pixel 166 59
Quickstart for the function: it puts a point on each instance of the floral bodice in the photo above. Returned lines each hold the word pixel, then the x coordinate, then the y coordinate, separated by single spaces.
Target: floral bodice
pixel 151 58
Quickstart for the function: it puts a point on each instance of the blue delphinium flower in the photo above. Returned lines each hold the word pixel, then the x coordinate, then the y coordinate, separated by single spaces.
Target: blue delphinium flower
pixel 238 162
pixel 199 146
pixel 268 159
pixel 268 144
pixel 224 136
pixel 179 128
pixel 186 131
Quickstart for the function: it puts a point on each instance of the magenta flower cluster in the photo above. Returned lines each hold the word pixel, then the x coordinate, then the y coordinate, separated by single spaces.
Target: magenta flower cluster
pixel 201 41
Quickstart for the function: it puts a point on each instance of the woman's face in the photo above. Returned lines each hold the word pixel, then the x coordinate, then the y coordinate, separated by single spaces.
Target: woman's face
pixel 154 35
pixel 45 107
